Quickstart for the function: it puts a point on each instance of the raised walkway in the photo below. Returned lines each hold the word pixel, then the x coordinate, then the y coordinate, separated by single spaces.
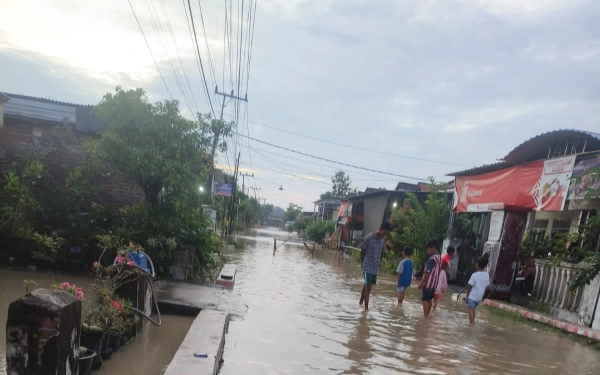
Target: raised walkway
pixel 529 314
pixel 213 307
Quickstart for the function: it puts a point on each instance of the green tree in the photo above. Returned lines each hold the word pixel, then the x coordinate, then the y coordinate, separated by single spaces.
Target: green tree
pixel 342 186
pixel 292 213
pixel 326 195
pixel 317 230
pixel 266 212
pixel 152 144
pixel 413 224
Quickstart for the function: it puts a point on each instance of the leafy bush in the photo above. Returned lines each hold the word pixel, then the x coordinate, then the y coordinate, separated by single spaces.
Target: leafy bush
pixel 316 231
pixel 413 224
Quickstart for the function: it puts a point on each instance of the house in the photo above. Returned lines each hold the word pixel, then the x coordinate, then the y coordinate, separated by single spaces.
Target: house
pixel 367 211
pixel 26 125
pixel 327 209
pixel 530 192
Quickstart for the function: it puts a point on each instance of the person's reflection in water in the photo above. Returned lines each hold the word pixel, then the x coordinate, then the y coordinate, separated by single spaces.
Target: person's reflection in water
pixel 360 351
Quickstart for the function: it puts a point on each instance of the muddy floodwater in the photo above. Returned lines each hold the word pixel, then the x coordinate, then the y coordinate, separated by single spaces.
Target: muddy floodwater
pixel 304 317
pixel 148 354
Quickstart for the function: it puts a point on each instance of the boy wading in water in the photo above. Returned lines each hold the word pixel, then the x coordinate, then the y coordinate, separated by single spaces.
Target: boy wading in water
pixel 371 251
pixel 431 275
pixel 405 272
pixel 477 285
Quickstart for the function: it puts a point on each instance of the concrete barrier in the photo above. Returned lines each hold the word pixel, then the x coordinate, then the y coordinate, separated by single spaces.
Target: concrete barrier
pixel 206 336
pixel 226 277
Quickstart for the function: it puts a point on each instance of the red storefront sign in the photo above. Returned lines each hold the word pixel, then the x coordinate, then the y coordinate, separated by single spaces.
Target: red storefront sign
pixel 540 186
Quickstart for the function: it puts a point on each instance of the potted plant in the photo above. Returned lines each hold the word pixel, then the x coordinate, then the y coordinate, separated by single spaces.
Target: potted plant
pixel 86 357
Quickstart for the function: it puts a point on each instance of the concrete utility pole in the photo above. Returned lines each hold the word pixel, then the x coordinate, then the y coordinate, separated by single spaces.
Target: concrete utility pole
pixel 218 133
pixel 255 189
pixel 244 180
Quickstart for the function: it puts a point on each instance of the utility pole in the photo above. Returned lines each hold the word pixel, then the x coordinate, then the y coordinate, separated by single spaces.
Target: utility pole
pixel 266 219
pixel 244 181
pixel 232 200
pixel 255 189
pixel 218 133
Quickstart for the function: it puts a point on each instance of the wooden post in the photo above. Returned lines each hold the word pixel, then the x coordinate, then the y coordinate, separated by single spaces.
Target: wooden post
pixel 274 245
pixel 313 254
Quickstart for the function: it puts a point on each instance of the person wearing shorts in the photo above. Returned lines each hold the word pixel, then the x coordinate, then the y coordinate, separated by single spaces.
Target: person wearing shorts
pixel 371 251
pixel 405 272
pixel 431 275
pixel 476 289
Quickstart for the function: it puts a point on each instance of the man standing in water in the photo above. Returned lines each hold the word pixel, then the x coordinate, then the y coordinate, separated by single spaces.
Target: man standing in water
pixel 370 256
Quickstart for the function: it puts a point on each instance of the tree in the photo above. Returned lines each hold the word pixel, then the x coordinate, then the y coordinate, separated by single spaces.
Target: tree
pixel 326 195
pixel 152 144
pixel 266 212
pixel 342 186
pixel 292 213
pixel 413 224
pixel 317 230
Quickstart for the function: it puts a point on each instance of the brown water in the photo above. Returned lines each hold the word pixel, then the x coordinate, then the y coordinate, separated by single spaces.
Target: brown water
pixel 148 354
pixel 304 317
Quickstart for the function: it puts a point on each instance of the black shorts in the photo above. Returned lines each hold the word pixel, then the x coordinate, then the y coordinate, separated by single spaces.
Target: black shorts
pixel 427 294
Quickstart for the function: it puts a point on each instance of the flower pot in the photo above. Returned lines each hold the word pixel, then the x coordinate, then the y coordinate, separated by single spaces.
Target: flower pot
pixel 93 341
pixel 106 354
pixel 114 342
pixel 85 362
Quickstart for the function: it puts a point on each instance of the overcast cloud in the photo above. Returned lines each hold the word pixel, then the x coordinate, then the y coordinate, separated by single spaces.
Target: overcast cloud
pixel 459 82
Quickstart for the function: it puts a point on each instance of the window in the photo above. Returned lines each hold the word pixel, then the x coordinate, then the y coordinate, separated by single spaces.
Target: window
pixel 540 224
pixel 560 226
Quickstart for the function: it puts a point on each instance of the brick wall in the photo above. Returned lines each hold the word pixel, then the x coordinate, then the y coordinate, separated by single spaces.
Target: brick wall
pixel 17 138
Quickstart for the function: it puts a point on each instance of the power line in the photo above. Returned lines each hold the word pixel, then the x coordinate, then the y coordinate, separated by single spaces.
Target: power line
pixel 356 147
pixel 206 40
pixel 329 160
pixel 201 66
pixel 150 49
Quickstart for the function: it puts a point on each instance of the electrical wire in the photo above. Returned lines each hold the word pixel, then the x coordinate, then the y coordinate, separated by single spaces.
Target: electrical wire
pixel 356 147
pixel 329 160
pixel 206 41
pixel 150 50
pixel 201 66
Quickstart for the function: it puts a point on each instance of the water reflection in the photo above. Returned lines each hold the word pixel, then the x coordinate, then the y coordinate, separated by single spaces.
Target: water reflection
pixel 304 317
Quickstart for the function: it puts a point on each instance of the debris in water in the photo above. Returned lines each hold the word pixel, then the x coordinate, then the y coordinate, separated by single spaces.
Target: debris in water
pixel 200 355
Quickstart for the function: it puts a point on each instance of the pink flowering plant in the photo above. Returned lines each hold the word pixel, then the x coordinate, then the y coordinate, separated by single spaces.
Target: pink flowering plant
pixel 71 289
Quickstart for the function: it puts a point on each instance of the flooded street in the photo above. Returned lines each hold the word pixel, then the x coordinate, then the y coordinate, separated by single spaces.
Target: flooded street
pixel 304 317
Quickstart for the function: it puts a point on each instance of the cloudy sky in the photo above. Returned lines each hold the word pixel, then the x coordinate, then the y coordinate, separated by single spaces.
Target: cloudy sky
pixel 429 87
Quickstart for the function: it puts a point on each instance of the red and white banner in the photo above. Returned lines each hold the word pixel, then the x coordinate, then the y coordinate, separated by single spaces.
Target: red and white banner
pixel 540 186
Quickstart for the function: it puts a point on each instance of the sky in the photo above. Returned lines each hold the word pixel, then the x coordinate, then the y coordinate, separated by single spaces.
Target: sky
pixel 409 88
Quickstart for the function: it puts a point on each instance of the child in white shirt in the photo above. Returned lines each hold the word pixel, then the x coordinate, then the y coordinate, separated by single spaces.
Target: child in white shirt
pixel 477 285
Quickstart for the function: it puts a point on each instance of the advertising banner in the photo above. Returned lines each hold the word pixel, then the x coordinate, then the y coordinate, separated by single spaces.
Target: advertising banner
pixel 224 190
pixel 583 168
pixel 541 186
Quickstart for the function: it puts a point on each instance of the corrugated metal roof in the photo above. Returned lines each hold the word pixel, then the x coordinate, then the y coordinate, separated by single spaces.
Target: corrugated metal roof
pixel 480 170
pixel 536 148
pixel 533 148
pixel 53 111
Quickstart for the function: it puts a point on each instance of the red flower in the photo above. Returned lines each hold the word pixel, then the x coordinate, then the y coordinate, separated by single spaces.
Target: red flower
pixel 117 305
pixel 131 263
pixel 120 259
pixel 95 264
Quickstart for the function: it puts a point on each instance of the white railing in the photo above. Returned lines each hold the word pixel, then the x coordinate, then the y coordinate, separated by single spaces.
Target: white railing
pixel 551 286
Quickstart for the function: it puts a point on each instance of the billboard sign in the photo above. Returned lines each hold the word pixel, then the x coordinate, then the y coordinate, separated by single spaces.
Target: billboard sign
pixel 224 190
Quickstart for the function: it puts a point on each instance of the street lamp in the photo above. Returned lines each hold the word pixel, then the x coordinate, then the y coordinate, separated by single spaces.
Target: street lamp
pixel 395 204
pixel 280 187
pixel 201 188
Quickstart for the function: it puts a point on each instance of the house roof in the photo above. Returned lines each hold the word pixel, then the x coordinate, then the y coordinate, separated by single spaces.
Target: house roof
pixel 328 201
pixel 398 194
pixel 538 148
pixel 52 112
pixel 406 186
